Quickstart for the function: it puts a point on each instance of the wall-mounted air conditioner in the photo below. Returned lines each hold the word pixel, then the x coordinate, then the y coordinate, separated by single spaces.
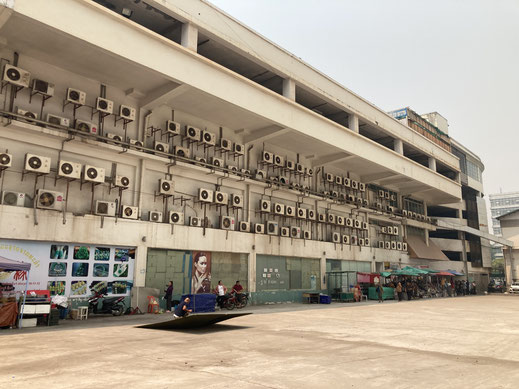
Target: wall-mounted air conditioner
pixel 37 164
pixel 384 229
pixel 279 160
pixel 289 165
pixel 129 212
pixel 298 167
pixel 349 222
pixel 390 230
pixel 346 239
pixel 354 184
pixel 404 246
pixel 309 172
pixel 365 203
pixel 244 226
pixel 69 169
pixel 367 242
pixel 232 168
pixel 381 244
pixel 307 235
pixel 404 212
pixel 76 96
pixel 365 225
pixel 172 127
pixel 264 206
pixel 94 174
pixel 28 115
pixel 105 208
pixel 58 120
pixel 208 138
pixel 267 157
pixel 127 112
pixel 339 180
pixel 362 186
pixel 295 232
pixel 347 182
pixel 205 195
pixel 272 228
pixel 193 133
pixel 175 217
pixel 339 220
pixel 311 214
pixel 195 221
pixel 381 193
pixel 301 213
pixel 166 187
pixel 260 174
pixel 136 142
pixel 283 180
pixel 201 160
pixel 115 137
pixel 279 209
pixel 399 246
pixel 226 144
pixel 285 232
pixel 290 211
pixel 238 149
pixel 336 237
pixel 122 182
pixel 395 230
pixel 393 245
pixel 331 218
pixel 351 198
pixel 259 228
pixel 321 218
pixel 16 76
pixel 47 199
pixel 104 105
pixel 335 194
pixel 6 160
pixel 387 245
pixel 245 172
pixel 329 177
pixel 227 223
pixel 161 146
pixel 14 199
pixel 357 224
pixel 237 200
pixel 42 87
pixel 386 195
pixel 182 152
pixel 221 198
pixel 393 197
pixel 218 162
pixel 86 127
pixel 155 216
pixel 361 241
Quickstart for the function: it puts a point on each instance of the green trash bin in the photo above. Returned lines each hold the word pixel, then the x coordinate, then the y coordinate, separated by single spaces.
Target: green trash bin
pixel 388 294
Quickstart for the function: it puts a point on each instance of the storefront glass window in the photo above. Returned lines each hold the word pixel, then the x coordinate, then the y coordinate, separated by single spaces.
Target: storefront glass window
pixel 286 273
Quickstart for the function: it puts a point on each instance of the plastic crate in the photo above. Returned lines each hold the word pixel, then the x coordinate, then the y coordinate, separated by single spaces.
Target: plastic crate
pixel 324 299
pixel 204 302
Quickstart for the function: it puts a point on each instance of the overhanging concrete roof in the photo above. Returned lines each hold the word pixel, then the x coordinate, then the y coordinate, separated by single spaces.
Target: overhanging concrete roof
pixel 473 231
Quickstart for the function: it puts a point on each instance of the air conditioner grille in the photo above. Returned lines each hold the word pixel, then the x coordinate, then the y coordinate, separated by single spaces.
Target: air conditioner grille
pixel 128 211
pixel 92 173
pixel 47 199
pixel 4 159
pixel 67 168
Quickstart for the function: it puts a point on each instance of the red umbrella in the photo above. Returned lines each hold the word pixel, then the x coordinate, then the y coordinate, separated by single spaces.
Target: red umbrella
pixel 442 273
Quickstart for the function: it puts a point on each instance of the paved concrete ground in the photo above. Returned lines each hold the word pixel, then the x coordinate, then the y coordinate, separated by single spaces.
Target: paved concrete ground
pixel 466 342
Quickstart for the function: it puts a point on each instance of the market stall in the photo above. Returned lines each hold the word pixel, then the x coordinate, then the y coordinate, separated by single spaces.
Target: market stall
pixel 8 307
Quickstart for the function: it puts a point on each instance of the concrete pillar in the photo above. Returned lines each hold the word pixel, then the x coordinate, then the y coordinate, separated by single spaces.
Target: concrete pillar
pixel 324 280
pixel 353 123
pixel 507 256
pixel 252 271
pixel 398 146
pixel 432 164
pixel 141 258
pixel 464 254
pixel 289 89
pixel 189 37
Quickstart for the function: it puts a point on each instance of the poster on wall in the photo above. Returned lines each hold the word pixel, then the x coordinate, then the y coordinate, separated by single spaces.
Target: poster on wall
pixel 201 272
pixel 71 269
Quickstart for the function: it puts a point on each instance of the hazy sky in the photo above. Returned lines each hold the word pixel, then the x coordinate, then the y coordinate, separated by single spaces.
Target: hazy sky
pixel 457 57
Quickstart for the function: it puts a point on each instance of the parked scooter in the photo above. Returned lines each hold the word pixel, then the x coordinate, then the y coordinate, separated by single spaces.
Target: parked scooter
pixel 113 305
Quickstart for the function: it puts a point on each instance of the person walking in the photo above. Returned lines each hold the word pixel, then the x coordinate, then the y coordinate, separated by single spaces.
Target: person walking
pixel 380 291
pixel 399 291
pixel 168 295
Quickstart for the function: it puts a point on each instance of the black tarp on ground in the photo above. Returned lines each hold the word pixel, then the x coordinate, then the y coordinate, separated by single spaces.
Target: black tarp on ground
pixel 193 321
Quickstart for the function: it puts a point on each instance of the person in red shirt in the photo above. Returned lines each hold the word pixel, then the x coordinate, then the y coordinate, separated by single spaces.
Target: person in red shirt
pixel 237 288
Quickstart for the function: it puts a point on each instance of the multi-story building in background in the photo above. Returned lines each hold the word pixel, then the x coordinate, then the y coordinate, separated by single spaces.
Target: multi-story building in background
pixel 501 204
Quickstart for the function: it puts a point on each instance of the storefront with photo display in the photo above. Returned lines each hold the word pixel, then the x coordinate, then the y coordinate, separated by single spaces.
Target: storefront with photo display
pixel 70 269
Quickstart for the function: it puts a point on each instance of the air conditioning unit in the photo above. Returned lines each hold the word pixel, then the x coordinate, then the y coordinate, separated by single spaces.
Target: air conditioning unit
pixel 42 87
pixel 393 245
pixel 367 242
pixel 279 209
pixel 299 168
pixel 227 223
pixel 285 232
pixel 245 172
pixel 381 244
pixel 381 193
pixel 155 216
pixel 311 214
pixel 378 206
pixel 307 235
pixel 28 115
pixel 172 127
pixel 290 165
pixel 161 146
pixel 259 228
pixel 390 230
pixel 399 246
pixel 349 222
pixel 201 160
pixel 47 199
pixel 239 149
pixel 328 177
pixel 217 162
pixel 365 203
pixel 116 137
pixel 69 169
pixel 129 212
pixel 387 245
pixel 391 209
pixel 37 164
pixel 279 160
pixel 404 246
pixel 205 195
pixel 413 215
pixel 295 232
pixel 321 218
pixel 346 239
pixel 358 200
pixel 13 198
pixel 105 208
pixel 122 182
pixel 362 186
pixel 364 225
pixel 267 157
pixel 309 172
pixel 166 187
pixel 272 228
pixel 6 160
pixel 356 224
pixel 226 144
pixel 353 240
pixel 393 197
pixel 351 198
pixel 16 76
pixel 331 218
pixel 221 198
pixel 260 174
pixel 193 133
pixel 283 180
pixel 182 152
pixel 195 221
pixel 339 220
pixel 86 127
pixel 237 200
pixel 136 142
pixel 361 241
pixel 232 168
pixel 93 174
pixel 127 112
pixel 395 230
pixel 336 237
pixel 244 227
pixel 404 212
pixel 76 96
pixel 354 184
pixel 339 180
pixel 290 211
pixel 265 206
pixel 428 220
pixel 58 120
pixel 384 230
pixel 347 182
pixel 208 138
pixel 335 194
pixel 104 105
pixel 178 218
pixel 301 213
pixel 386 195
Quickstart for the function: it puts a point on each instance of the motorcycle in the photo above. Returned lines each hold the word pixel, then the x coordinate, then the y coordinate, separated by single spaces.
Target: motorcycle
pixel 112 305
pixel 236 301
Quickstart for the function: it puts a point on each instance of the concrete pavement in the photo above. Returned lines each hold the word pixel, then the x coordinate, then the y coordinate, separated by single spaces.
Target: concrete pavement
pixel 467 342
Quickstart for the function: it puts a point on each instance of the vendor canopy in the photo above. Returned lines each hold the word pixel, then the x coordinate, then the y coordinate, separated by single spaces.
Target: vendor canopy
pixel 10 265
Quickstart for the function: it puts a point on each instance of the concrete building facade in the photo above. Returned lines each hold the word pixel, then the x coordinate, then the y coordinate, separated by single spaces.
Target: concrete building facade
pixel 171 134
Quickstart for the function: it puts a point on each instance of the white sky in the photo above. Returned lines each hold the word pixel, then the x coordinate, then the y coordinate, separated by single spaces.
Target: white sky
pixel 457 57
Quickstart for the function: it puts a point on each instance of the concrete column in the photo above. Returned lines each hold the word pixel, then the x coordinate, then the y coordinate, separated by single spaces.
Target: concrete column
pixel 432 163
pixel 507 256
pixel 398 146
pixel 189 37
pixel 289 89
pixel 252 271
pixel 141 257
pixel 464 254
pixel 353 123
pixel 324 280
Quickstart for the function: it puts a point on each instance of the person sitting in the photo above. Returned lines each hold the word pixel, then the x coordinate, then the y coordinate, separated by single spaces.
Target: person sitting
pixel 181 309
pixel 237 289
pixel 221 291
